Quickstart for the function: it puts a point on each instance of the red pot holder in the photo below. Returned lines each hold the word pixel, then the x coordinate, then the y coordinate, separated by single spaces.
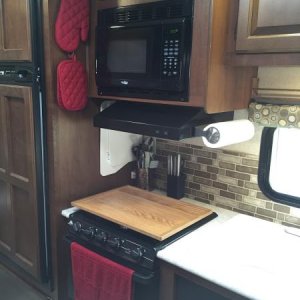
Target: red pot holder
pixel 72 24
pixel 71 85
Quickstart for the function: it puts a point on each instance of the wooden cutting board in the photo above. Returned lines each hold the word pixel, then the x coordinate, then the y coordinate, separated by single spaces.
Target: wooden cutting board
pixel 151 214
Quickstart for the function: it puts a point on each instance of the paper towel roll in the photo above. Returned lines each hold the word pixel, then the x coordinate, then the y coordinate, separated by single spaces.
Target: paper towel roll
pixel 231 132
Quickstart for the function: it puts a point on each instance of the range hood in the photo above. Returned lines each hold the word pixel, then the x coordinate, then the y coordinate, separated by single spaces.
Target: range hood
pixel 162 121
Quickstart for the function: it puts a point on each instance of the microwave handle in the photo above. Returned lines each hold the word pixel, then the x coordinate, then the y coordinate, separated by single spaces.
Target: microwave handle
pixel 96 65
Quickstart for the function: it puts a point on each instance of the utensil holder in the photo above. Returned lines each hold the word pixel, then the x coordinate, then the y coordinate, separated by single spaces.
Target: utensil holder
pixel 145 179
pixel 175 186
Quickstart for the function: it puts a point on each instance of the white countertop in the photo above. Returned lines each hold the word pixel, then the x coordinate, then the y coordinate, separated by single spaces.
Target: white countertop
pixel 253 257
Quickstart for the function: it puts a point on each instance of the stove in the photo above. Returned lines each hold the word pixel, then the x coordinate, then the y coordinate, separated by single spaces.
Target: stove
pixel 121 244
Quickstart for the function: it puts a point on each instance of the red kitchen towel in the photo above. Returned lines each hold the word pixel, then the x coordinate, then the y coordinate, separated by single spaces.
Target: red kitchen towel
pixel 72 24
pixel 71 85
pixel 98 278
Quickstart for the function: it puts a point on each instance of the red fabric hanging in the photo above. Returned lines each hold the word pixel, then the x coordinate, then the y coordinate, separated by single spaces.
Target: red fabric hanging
pixel 72 24
pixel 71 85
pixel 98 278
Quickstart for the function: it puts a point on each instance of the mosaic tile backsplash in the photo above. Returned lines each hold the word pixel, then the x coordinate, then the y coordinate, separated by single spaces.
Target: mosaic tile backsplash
pixel 275 115
pixel 223 178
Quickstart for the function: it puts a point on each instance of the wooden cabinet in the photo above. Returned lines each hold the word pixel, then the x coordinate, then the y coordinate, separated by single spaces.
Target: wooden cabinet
pixel 213 85
pixel 178 284
pixel 18 201
pixel 264 33
pixel 15 33
pixel 268 26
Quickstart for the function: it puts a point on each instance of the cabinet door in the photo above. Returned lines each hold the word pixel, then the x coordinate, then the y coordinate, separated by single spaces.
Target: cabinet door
pixel 15 34
pixel 18 201
pixel 268 26
pixel 179 284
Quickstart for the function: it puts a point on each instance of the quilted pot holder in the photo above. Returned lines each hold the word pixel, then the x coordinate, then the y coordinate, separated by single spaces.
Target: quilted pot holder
pixel 71 85
pixel 72 24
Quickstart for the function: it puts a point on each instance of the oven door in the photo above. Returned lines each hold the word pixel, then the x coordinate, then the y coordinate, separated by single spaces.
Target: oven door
pixel 129 56
pixel 145 284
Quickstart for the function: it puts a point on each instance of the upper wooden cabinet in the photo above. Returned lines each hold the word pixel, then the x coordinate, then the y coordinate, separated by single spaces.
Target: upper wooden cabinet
pixel 213 85
pixel 15 35
pixel 268 26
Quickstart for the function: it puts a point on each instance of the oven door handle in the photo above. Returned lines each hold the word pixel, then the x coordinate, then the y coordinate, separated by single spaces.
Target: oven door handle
pixel 143 278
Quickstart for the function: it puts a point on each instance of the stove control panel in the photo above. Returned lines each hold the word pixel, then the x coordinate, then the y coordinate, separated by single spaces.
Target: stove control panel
pixel 100 236
pixel 115 243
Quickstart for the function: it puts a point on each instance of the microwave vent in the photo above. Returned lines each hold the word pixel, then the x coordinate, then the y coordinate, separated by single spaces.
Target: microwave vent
pixel 127 16
pixel 153 11
pixel 131 16
pixel 174 11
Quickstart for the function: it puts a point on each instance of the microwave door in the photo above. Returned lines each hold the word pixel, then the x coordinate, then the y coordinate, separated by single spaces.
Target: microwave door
pixel 127 57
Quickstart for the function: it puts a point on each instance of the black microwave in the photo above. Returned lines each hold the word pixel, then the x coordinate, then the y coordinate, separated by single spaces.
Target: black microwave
pixel 143 50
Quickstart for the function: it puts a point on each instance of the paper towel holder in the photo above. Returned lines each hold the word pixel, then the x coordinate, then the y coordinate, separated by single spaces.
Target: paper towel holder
pixel 212 134
pixel 225 133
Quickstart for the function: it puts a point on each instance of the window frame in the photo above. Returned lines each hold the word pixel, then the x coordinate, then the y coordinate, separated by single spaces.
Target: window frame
pixel 264 165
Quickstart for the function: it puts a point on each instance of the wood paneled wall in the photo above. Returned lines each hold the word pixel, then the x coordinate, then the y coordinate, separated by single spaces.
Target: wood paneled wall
pixel 73 151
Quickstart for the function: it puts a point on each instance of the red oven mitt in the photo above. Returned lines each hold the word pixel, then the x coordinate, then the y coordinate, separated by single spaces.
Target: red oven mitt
pixel 71 85
pixel 72 24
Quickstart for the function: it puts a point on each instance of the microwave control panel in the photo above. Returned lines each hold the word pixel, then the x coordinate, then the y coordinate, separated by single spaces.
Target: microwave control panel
pixel 171 52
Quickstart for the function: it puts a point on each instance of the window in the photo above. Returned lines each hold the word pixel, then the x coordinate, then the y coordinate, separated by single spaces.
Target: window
pixel 279 165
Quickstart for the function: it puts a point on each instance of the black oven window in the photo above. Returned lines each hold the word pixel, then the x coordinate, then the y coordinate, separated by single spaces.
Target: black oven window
pixel 127 56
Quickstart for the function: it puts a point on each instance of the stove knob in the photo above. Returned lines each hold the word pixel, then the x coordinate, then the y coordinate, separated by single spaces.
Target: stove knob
pixel 137 254
pixel 114 243
pixel 77 226
pixel 89 232
pixel 22 74
pixel 101 236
